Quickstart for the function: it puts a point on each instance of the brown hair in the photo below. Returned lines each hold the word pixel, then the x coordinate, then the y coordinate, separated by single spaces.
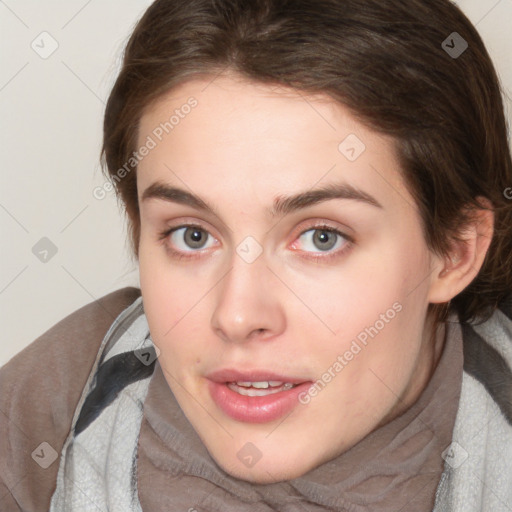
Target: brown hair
pixel 383 59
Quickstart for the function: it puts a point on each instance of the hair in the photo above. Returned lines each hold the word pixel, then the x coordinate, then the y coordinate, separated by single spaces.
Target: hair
pixel 382 59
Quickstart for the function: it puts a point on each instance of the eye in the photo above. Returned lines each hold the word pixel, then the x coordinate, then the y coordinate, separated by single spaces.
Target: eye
pixel 321 239
pixel 189 238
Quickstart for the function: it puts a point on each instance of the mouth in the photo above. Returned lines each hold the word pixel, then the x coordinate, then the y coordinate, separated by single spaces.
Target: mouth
pixel 255 396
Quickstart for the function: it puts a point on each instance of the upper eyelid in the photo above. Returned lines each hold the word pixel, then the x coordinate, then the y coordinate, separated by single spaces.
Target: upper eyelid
pixel 324 228
pixel 225 229
pixel 345 231
pixel 317 225
pixel 184 224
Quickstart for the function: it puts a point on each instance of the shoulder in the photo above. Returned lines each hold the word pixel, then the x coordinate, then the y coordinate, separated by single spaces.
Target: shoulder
pixel 71 343
pixel 481 449
pixel 488 356
pixel 41 386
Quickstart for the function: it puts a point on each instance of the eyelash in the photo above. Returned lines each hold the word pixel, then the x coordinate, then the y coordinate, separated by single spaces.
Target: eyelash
pixel 179 255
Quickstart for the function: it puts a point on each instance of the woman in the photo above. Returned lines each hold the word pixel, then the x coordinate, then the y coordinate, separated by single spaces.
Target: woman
pixel 317 200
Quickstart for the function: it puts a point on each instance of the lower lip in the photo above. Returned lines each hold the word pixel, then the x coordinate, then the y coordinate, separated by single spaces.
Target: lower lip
pixel 256 409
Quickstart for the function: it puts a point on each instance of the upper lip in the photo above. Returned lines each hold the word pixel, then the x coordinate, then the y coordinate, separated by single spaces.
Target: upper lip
pixel 232 375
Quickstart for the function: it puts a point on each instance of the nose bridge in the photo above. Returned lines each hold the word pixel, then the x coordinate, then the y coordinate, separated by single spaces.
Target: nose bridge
pixel 246 302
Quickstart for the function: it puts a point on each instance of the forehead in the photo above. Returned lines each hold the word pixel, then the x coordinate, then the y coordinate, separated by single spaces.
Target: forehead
pixel 226 105
pixel 222 135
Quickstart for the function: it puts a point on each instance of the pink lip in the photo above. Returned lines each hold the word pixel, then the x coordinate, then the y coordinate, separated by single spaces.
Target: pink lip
pixel 232 375
pixel 254 409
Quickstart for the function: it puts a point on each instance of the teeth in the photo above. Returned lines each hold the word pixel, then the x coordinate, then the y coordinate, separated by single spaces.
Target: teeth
pixel 261 384
pixel 253 390
pixel 245 384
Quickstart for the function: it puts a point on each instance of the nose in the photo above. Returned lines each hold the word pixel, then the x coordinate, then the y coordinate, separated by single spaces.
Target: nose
pixel 247 304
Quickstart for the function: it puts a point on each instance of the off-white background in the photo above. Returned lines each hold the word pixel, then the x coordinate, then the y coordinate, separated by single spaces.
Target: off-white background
pixel 51 122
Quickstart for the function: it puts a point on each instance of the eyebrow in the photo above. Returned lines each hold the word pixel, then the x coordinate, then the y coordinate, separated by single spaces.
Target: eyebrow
pixel 282 205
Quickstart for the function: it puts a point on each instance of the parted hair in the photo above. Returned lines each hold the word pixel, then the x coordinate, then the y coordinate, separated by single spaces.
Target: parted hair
pixel 388 61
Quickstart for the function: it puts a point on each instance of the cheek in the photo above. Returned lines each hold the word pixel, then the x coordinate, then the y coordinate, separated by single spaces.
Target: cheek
pixel 376 308
pixel 347 299
pixel 376 362
pixel 175 309
pixel 390 340
pixel 167 292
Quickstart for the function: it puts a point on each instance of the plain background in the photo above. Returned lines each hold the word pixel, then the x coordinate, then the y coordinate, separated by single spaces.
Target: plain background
pixel 51 111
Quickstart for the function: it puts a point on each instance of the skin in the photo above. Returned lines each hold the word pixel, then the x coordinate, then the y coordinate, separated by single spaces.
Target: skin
pixel 296 307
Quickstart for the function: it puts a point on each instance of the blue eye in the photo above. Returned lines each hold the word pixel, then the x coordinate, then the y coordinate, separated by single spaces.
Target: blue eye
pixel 189 238
pixel 322 239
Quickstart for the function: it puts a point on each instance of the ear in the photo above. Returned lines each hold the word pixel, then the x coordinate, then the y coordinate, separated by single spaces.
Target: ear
pixel 455 271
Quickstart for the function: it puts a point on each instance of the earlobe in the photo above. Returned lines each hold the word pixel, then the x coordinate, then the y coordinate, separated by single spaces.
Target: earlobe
pixel 459 268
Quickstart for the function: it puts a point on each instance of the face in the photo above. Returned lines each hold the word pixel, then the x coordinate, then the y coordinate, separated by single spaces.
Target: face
pixel 284 273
